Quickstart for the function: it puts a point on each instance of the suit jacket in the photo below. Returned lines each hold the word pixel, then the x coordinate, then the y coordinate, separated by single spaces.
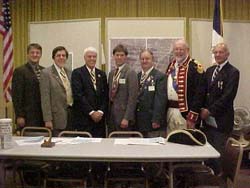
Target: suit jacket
pixel 151 101
pixel 53 97
pixel 26 95
pixel 220 95
pixel 87 99
pixel 124 102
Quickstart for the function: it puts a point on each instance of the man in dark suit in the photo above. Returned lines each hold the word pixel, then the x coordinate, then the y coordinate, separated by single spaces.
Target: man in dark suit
pixel 185 89
pixel 56 95
pixel 90 93
pixel 222 80
pixel 25 90
pixel 151 101
pixel 123 91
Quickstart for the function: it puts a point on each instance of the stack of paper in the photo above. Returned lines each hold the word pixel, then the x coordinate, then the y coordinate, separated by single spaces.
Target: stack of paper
pixel 34 140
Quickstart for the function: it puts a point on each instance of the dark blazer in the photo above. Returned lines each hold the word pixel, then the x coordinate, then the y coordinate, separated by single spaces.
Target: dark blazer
pixel 220 95
pixel 151 101
pixel 87 99
pixel 124 103
pixel 26 95
pixel 54 98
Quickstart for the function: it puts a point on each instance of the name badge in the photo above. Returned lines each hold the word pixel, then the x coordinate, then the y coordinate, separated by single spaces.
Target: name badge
pixel 122 81
pixel 151 88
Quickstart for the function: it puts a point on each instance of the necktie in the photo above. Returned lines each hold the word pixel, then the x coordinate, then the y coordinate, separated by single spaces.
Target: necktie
pixel 93 79
pixel 67 87
pixel 143 78
pixel 216 71
pixel 37 72
pixel 114 84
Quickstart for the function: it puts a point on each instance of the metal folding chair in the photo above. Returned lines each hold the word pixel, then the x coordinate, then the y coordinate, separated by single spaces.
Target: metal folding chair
pixel 69 172
pixel 125 172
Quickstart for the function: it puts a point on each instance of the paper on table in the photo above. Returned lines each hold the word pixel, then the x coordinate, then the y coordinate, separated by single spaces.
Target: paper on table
pixel 140 141
pixel 76 140
pixel 34 140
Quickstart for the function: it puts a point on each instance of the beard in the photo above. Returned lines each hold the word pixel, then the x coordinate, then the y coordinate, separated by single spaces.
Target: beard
pixel 180 59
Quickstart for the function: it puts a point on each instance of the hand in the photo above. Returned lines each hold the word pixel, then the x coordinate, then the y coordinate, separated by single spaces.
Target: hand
pixel 204 113
pixel 155 125
pixel 96 116
pixel 190 124
pixel 20 122
pixel 124 124
pixel 99 116
pixel 49 125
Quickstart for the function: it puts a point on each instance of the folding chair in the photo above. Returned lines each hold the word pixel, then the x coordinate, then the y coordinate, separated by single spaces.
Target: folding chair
pixel 125 172
pixel 70 172
pixel 231 162
pixel 31 167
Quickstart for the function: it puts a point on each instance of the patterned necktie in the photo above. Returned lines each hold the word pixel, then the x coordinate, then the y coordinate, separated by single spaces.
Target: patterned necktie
pixel 216 71
pixel 67 87
pixel 38 72
pixel 114 84
pixel 143 78
pixel 93 79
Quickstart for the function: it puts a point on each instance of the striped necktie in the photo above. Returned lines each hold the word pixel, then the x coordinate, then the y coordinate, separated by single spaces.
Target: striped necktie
pixel 143 78
pixel 216 71
pixel 93 79
pixel 38 72
pixel 114 84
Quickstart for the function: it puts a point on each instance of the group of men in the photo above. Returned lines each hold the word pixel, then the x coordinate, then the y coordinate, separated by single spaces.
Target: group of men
pixel 151 102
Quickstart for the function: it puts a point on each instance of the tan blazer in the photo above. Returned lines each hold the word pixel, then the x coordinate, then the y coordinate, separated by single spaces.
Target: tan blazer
pixel 124 102
pixel 53 97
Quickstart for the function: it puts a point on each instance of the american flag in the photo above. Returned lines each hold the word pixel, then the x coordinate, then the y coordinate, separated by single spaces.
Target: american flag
pixel 6 31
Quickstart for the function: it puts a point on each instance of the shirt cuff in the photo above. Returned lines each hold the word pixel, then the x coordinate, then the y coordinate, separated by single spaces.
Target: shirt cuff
pixel 100 111
pixel 192 116
pixel 90 113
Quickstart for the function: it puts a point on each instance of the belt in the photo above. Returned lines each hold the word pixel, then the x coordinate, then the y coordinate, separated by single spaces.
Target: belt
pixel 173 104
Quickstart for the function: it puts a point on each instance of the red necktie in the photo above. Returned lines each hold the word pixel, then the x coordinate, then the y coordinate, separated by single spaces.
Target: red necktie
pixel 115 84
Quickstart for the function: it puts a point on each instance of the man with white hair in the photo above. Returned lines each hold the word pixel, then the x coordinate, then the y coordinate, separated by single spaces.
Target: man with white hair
pixel 185 89
pixel 90 94
pixel 222 81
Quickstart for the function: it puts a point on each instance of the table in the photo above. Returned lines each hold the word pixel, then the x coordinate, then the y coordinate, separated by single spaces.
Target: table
pixel 107 151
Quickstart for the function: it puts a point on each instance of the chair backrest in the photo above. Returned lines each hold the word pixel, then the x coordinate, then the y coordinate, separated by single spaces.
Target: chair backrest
pixel 36 131
pixel 125 134
pixel 74 134
pixel 231 159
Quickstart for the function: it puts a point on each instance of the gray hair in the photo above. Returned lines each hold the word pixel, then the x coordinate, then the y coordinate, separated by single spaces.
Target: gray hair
pixel 89 49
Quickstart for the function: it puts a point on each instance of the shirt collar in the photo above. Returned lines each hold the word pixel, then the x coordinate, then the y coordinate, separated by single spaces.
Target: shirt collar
pixel 58 69
pixel 33 65
pixel 90 70
pixel 148 71
pixel 121 67
pixel 222 64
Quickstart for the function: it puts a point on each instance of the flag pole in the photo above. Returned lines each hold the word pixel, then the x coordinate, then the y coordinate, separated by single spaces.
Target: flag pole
pixel 6 110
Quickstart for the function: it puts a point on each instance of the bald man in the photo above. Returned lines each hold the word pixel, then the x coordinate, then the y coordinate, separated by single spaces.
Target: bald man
pixel 90 94
pixel 185 88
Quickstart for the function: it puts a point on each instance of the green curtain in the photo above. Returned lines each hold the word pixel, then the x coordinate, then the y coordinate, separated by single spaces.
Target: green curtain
pixel 24 11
